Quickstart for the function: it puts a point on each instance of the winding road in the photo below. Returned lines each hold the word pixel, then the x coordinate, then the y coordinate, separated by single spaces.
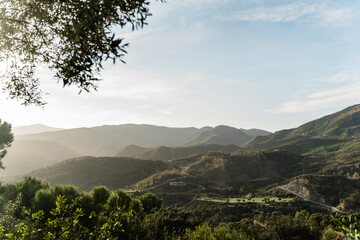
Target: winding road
pixel 309 200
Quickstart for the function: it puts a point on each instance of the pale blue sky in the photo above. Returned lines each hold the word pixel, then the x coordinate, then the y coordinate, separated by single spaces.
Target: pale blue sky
pixel 270 64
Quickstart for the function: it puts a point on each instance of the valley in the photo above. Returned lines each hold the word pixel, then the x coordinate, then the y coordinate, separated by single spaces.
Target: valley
pixel 314 167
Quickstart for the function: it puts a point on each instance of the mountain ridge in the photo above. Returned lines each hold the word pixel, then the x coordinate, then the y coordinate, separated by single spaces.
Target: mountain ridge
pixel 344 124
pixel 86 141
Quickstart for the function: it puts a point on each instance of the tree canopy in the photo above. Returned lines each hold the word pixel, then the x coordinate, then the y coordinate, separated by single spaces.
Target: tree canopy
pixel 73 38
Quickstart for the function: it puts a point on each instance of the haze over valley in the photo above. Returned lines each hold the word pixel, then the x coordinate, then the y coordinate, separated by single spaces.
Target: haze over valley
pixel 47 145
pixel 147 158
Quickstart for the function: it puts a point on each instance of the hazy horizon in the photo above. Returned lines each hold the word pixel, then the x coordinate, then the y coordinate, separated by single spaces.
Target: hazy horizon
pixel 35 124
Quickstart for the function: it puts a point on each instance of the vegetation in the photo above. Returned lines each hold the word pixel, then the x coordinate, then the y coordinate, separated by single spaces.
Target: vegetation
pixel 62 212
pixel 6 138
pixel 349 225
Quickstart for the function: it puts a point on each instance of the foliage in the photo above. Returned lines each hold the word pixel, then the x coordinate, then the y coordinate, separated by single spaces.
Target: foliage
pixel 73 38
pixel 25 191
pixel 168 222
pixel 150 202
pixel 62 212
pixel 75 215
pixel 65 223
pixel 349 225
pixel 204 232
pixel 330 234
pixel 6 138
pixel 100 194
pixel 45 199
pixel 13 218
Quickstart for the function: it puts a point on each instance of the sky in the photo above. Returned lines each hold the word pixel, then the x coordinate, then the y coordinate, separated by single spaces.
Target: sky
pixel 271 64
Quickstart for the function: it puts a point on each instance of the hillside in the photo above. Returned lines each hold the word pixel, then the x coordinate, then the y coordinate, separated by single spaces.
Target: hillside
pixel 26 156
pixel 255 132
pixel 222 135
pixel 340 126
pixel 167 153
pixel 87 172
pixel 211 167
pixel 128 151
pixel 336 191
pixel 220 168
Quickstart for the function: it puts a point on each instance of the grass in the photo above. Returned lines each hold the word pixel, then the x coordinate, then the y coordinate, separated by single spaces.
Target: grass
pixel 246 200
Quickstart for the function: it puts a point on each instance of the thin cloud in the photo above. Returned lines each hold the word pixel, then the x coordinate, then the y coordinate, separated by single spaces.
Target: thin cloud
pixel 320 12
pixel 335 15
pixel 346 95
pixel 345 77
pixel 283 13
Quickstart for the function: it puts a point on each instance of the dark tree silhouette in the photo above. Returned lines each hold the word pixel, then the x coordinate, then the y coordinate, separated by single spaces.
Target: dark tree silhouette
pixel 6 138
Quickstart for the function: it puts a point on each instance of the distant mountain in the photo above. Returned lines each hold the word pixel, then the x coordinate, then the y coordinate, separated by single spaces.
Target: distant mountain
pixel 87 140
pixel 255 132
pixel 167 153
pixel 88 172
pixel 32 129
pixel 343 125
pixel 25 156
pixel 222 135
pixel 106 140
pixel 104 149
pixel 128 151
